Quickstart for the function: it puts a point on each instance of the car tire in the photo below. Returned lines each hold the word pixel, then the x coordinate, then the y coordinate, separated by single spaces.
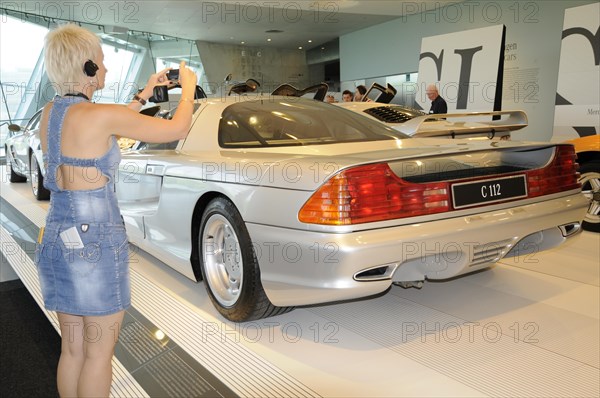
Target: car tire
pixel 37 180
pixel 590 181
pixel 229 265
pixel 14 177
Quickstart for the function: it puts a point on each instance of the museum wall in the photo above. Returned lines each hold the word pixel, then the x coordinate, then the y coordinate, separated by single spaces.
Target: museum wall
pixel 531 59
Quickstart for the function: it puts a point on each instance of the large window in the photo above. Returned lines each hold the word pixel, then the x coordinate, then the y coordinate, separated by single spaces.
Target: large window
pixel 22 73
pixel 162 63
pixel 116 86
pixel 169 53
pixel 21 44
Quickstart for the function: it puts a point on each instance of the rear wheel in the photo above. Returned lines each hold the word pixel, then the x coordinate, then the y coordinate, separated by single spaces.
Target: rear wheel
pixel 37 180
pixel 14 177
pixel 590 181
pixel 229 266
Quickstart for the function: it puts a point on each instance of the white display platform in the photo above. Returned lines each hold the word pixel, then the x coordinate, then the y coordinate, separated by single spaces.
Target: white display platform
pixel 527 327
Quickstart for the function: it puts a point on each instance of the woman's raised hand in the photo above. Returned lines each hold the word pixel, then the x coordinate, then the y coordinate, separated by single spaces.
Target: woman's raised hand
pixel 159 79
pixel 187 79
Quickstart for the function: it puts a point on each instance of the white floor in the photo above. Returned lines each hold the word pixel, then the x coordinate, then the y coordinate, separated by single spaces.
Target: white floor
pixel 527 327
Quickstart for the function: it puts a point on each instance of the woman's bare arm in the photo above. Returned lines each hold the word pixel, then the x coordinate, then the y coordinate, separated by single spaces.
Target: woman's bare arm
pixel 126 122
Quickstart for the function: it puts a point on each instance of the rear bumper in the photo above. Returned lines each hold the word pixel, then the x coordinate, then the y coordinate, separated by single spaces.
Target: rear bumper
pixel 304 267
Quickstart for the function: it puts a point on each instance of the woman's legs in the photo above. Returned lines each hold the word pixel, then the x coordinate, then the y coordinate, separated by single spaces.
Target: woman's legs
pixel 100 337
pixel 71 356
pixel 88 343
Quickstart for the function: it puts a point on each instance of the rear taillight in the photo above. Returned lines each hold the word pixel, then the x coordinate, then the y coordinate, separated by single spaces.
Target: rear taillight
pixel 372 193
pixel 560 175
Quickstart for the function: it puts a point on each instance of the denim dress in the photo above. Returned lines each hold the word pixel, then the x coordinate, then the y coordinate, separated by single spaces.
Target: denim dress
pixel 82 259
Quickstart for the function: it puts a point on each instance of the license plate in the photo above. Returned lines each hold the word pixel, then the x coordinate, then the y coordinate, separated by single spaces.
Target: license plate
pixel 467 194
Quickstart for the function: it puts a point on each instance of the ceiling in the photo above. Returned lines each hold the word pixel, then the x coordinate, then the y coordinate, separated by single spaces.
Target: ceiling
pixel 302 23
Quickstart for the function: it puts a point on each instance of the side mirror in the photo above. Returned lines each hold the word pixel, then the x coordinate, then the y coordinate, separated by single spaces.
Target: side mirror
pixel 159 94
pixel 14 128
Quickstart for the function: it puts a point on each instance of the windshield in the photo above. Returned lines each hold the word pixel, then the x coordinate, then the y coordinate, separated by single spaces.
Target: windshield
pixel 296 121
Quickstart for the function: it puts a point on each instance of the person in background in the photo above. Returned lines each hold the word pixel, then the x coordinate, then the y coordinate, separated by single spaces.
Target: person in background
pixel 438 104
pixel 82 252
pixel 347 96
pixel 359 93
pixel 330 99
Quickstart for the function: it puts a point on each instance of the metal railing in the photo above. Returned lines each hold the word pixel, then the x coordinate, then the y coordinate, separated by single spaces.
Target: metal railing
pixel 11 121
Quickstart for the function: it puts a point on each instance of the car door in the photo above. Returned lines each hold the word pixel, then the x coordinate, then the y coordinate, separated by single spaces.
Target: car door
pixel 139 183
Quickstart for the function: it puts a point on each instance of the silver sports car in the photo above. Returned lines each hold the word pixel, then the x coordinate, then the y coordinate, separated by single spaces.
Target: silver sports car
pixel 278 202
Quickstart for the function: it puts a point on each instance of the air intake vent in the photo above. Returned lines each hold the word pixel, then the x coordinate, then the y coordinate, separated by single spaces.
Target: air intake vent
pixel 393 114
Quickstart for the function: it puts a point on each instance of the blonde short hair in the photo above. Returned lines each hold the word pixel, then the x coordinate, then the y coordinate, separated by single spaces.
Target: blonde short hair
pixel 66 50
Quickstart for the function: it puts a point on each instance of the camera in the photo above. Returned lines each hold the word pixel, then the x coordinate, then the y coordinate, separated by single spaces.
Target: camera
pixel 173 75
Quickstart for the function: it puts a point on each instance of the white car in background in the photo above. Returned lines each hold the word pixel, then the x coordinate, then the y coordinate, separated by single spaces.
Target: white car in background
pixel 24 156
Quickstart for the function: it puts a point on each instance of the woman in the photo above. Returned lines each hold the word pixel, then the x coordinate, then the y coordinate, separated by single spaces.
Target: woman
pixel 359 93
pixel 82 258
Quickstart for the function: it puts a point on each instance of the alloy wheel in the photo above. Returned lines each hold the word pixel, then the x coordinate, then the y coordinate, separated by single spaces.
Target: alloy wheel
pixel 222 260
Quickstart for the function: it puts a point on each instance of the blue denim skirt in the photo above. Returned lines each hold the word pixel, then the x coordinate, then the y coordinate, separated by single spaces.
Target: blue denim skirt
pixel 90 278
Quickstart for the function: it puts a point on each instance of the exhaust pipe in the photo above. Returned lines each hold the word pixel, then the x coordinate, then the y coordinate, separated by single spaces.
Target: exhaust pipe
pixel 568 230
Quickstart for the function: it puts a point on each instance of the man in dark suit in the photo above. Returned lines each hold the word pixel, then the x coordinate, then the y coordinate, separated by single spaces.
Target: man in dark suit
pixel 438 104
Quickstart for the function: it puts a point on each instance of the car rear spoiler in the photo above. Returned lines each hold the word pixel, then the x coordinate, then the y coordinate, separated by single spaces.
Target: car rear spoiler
pixel 463 125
